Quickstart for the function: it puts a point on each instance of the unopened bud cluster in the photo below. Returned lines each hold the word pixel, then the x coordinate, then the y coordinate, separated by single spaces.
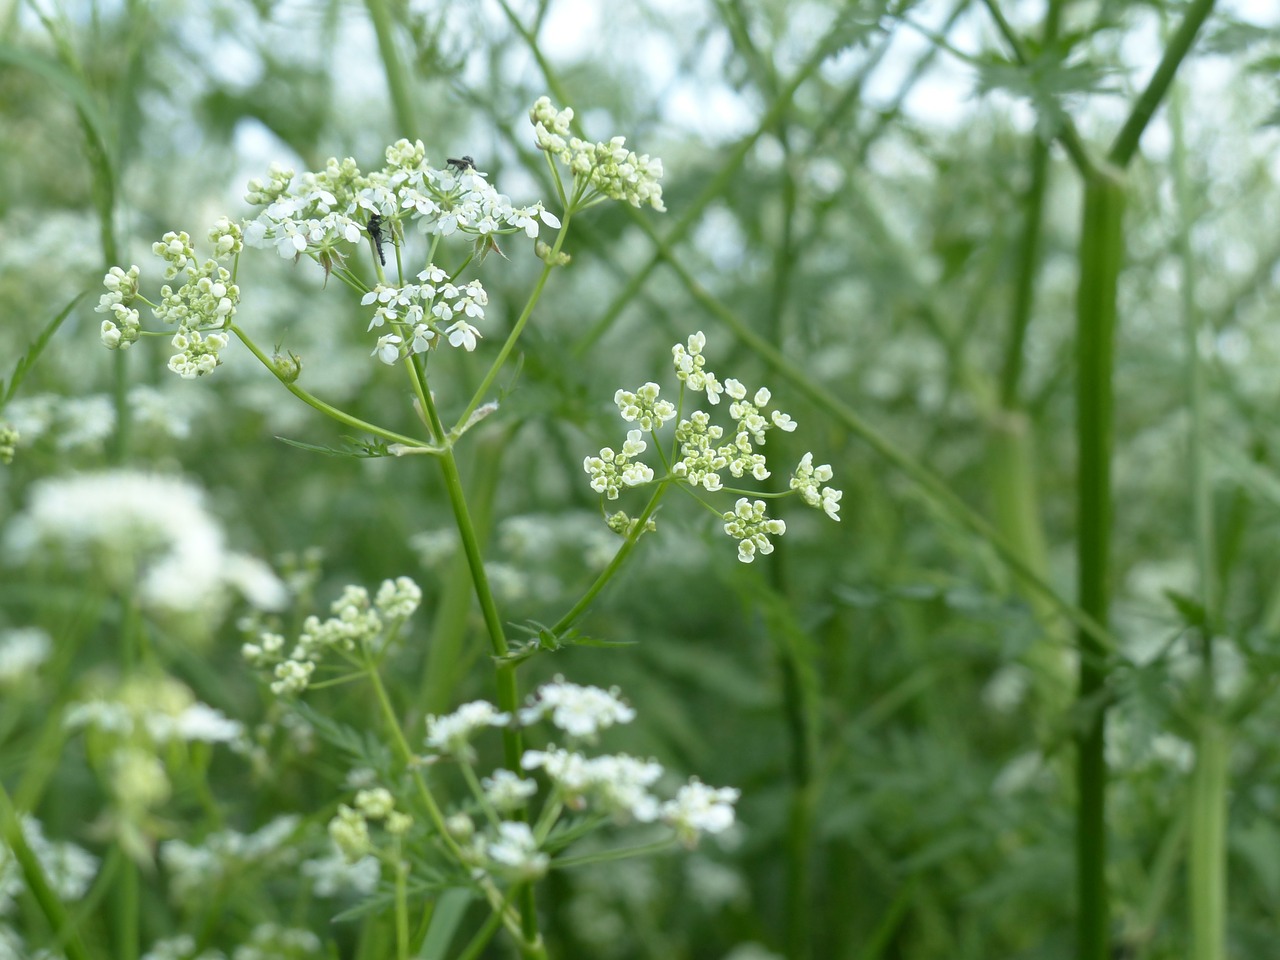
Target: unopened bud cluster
pixel 604 169
pixel 358 625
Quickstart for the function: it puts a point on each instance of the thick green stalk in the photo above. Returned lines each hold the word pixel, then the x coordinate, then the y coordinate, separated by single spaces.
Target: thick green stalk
pixel 445 658
pixel 1206 860
pixel 1126 142
pixel 1101 257
pixel 399 83
pixel 36 881
pixel 1206 853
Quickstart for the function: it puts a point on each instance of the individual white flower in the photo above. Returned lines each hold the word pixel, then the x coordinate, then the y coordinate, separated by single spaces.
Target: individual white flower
pixel 451 734
pixel 388 348
pixel 462 334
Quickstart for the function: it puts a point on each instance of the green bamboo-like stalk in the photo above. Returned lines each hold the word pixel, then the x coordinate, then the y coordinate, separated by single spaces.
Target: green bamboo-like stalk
pixel 1101 257
pixel 1206 859
pixel 399 83
pixel 1206 852
pixel 36 881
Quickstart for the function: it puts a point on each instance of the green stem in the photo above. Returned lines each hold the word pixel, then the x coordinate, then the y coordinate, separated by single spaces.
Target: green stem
pixel 126 911
pixel 1101 256
pixel 505 672
pixel 36 881
pixel 1126 142
pixel 510 343
pixel 402 905
pixel 618 558
pixel 1207 851
pixel 1206 860
pixel 1028 253
pixel 445 659
pixel 327 409
pixel 399 83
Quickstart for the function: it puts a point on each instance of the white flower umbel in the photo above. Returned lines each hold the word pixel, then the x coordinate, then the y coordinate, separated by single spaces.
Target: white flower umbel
pixel 506 790
pixel 705 454
pixel 579 711
pixel 511 852
pixel 68 868
pixel 699 809
pixel 748 523
pixel 196 868
pixel 451 734
pixel 146 534
pixel 600 170
pixel 616 785
pixel 359 627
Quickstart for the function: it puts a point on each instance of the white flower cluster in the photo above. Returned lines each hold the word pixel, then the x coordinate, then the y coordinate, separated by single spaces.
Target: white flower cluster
pixel 612 470
pixel 613 786
pixel 144 533
pixel 317 211
pixel 194 869
pixel 203 306
pixel 357 623
pixel 349 828
pixel 153 711
pixel 808 479
pixel 605 169
pixel 703 453
pixel 123 329
pixel 581 712
pixel 750 525
pixel 68 868
pixel 420 314
pixel 22 652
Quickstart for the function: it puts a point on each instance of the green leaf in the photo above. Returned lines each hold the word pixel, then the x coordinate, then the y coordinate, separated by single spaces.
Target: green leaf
pixel 27 361
pixel 356 449
pixel 447 916
pixel 1189 608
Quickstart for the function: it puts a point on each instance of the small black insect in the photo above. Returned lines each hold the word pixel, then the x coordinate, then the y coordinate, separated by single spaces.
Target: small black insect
pixel 462 163
pixel 375 232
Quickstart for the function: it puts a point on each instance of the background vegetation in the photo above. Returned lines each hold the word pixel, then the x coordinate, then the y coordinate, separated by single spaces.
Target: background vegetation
pixel 872 211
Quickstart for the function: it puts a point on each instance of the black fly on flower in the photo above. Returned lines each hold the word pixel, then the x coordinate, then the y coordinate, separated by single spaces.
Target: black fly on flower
pixel 463 163
pixel 375 234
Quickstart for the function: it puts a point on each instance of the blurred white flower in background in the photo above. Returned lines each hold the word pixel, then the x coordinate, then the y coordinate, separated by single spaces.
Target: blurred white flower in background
pixel 142 533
